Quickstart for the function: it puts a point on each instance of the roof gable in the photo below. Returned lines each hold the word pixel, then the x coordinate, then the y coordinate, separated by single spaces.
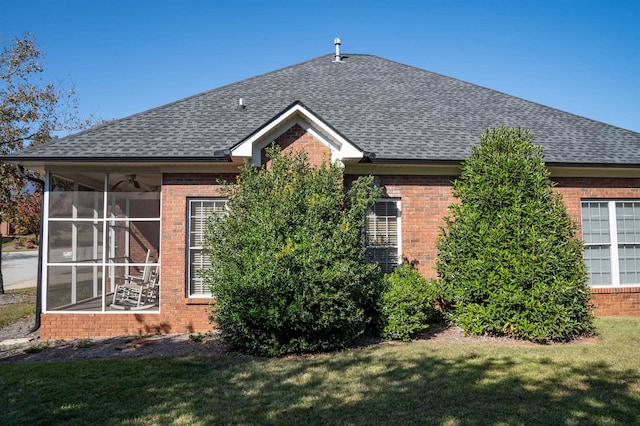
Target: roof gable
pixel 341 148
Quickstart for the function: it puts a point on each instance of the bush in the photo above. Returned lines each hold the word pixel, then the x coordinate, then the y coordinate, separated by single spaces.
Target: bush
pixel 510 262
pixel 287 261
pixel 18 242
pixel 407 303
pixel 30 242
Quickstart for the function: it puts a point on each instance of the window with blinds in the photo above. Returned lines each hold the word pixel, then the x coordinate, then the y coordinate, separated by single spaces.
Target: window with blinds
pixel 611 233
pixel 199 212
pixel 382 234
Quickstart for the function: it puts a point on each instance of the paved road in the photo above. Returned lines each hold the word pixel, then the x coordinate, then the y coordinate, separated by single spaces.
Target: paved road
pixel 19 269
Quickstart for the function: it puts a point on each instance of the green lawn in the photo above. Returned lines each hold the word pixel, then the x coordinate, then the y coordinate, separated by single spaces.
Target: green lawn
pixel 414 383
pixel 9 246
pixel 28 290
pixel 12 313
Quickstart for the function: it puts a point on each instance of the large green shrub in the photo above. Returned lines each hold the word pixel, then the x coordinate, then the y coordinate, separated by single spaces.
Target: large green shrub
pixel 510 262
pixel 287 262
pixel 406 304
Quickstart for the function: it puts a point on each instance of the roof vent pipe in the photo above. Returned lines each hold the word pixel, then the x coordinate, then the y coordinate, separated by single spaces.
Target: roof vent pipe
pixel 337 42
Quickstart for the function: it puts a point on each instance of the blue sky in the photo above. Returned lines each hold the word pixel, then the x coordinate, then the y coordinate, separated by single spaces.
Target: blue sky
pixel 128 56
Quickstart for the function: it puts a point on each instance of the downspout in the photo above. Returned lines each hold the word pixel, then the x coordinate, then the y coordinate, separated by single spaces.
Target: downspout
pixel 36 326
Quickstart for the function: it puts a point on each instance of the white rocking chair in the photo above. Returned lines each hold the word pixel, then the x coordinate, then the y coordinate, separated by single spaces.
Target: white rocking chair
pixel 137 292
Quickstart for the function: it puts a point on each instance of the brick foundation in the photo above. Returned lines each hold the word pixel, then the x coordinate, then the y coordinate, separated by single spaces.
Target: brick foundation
pixel 171 320
pixel 619 302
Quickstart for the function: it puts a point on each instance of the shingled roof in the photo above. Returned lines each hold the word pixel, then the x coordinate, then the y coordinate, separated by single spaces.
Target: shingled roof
pixel 400 113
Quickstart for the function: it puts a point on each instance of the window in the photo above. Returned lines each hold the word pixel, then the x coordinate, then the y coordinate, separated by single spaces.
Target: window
pixel 382 234
pixel 611 232
pixel 199 212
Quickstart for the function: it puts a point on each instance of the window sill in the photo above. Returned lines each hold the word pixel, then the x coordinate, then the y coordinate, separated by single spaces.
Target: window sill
pixel 200 300
pixel 615 289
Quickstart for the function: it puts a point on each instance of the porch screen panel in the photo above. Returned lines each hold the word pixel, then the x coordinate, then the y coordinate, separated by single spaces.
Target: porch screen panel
pixel 73 285
pixel 75 241
pixel 69 199
pixel 199 212
pixel 95 237
pixel 381 234
pixel 130 205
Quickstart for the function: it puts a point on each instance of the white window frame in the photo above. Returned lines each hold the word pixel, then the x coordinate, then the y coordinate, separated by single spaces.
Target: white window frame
pixel 190 272
pixel 613 243
pixel 398 230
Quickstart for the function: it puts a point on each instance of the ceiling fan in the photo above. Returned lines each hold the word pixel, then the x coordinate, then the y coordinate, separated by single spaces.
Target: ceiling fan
pixel 131 184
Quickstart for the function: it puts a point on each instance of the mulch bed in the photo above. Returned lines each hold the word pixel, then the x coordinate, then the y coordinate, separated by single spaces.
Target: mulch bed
pixel 16 338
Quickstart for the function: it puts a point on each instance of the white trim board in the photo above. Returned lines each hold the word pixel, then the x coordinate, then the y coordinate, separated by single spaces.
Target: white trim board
pixel 340 147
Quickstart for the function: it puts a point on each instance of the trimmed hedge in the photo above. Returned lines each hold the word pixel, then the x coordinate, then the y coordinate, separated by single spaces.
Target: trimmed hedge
pixel 510 262
pixel 407 303
pixel 287 262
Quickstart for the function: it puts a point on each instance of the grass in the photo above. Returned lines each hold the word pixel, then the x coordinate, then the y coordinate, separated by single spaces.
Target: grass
pixel 12 313
pixel 37 348
pixel 31 291
pixel 8 243
pixel 408 383
pixel 6 240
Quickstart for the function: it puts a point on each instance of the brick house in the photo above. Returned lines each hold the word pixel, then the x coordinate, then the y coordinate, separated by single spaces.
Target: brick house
pixel 6 229
pixel 135 193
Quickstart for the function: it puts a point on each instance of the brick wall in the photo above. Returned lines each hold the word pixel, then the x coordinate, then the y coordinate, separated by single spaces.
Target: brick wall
pixel 297 139
pixel 424 202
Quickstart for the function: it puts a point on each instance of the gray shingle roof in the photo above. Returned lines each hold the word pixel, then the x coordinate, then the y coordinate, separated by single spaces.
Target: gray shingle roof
pixel 399 112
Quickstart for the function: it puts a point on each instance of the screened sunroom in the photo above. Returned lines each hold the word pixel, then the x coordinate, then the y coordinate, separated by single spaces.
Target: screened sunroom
pixel 102 242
